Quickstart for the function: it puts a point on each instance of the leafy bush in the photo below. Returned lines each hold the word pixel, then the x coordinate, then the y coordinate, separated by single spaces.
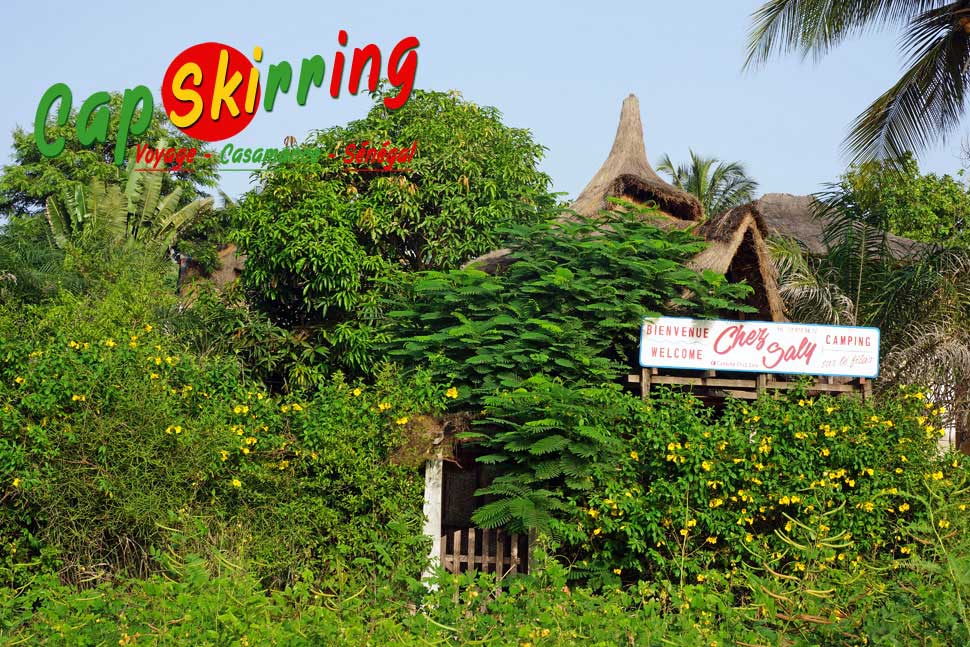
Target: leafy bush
pixel 319 239
pixel 570 305
pixel 119 451
pixel 776 482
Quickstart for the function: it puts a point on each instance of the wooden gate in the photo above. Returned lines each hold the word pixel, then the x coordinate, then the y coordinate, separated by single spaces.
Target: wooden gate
pixel 489 551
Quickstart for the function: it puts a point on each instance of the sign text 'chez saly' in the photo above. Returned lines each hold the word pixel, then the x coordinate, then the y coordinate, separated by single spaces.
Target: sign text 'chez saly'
pixel 759 346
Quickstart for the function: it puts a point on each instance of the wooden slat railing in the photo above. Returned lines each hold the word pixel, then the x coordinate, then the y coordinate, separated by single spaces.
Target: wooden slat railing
pixel 490 551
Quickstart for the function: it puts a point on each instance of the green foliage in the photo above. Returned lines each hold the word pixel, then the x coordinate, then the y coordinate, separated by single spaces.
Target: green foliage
pixel 120 451
pixel 570 305
pixel 26 184
pixel 321 239
pixel 549 441
pixel 928 208
pixel 770 483
pixel 32 269
pixel 922 107
pixel 139 214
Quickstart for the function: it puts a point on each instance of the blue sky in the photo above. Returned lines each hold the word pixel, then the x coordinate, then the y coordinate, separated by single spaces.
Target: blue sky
pixel 560 69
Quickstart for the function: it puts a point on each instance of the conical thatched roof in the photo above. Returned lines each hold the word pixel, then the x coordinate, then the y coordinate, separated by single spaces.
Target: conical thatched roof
pixel 627 173
pixel 737 249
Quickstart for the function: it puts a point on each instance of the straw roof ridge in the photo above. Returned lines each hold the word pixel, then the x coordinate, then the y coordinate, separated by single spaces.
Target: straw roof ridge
pixel 722 228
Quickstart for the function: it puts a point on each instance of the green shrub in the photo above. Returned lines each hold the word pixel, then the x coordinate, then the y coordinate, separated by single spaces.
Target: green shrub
pixel 120 451
pixel 570 306
pixel 774 482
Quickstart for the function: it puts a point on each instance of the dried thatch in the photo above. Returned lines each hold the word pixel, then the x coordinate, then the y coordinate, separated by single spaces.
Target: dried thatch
pixel 737 237
pixel 795 216
pixel 625 174
pixel 738 250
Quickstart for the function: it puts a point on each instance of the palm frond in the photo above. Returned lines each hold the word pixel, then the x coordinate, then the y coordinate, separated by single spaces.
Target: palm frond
pixel 928 101
pixel 814 27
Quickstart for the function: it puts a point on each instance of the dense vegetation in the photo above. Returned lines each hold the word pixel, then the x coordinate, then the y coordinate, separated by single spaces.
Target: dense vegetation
pixel 198 469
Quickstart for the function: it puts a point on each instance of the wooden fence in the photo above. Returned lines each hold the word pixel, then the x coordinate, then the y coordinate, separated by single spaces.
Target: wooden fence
pixel 709 384
pixel 489 551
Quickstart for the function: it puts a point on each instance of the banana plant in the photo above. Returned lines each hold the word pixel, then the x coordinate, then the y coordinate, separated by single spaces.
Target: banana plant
pixel 79 211
pixel 139 214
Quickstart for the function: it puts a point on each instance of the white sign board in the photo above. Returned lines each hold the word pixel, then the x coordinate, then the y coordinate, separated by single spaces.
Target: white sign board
pixel 759 346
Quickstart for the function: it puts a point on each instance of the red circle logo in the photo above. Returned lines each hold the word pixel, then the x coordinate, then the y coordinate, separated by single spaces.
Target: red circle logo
pixel 211 91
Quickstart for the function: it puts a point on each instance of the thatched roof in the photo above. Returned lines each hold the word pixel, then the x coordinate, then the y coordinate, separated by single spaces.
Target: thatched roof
pixel 794 216
pixel 626 174
pixel 737 249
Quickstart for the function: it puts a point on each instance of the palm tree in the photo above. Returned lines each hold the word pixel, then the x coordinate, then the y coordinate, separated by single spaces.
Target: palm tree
pixel 919 299
pixel 718 185
pixel 924 105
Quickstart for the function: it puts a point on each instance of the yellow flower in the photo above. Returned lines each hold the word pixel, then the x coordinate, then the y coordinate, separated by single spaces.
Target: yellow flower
pixel 715 503
pixel 749 537
pixel 617 570
pixel 19 380
pixel 78 398
pixel 297 407
pixel 356 392
pixel 711 540
pixel 635 456
pixel 597 531
pixel 691 523
pixel 110 343
pixel 683 532
pixel 240 409
pixel 904 550
pixel 250 441
pixel 402 421
pixel 245 450
pixel 903 507
pixel 236 483
pixel 829 409
pixel 700 577
pixel 594 513
pixel 158 361
pixel 153 376
pixel 943 523
pixel 173 428
pixel 284 464
pixel 825 451
pixel 285 408
pixel 16 482
pixel 706 466
pixel 384 406
pixel 224 455
pixel 148 327
pixel 451 393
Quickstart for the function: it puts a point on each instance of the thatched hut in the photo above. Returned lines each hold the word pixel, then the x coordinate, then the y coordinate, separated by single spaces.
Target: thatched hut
pixel 801 218
pixel 737 239
pixel 738 249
